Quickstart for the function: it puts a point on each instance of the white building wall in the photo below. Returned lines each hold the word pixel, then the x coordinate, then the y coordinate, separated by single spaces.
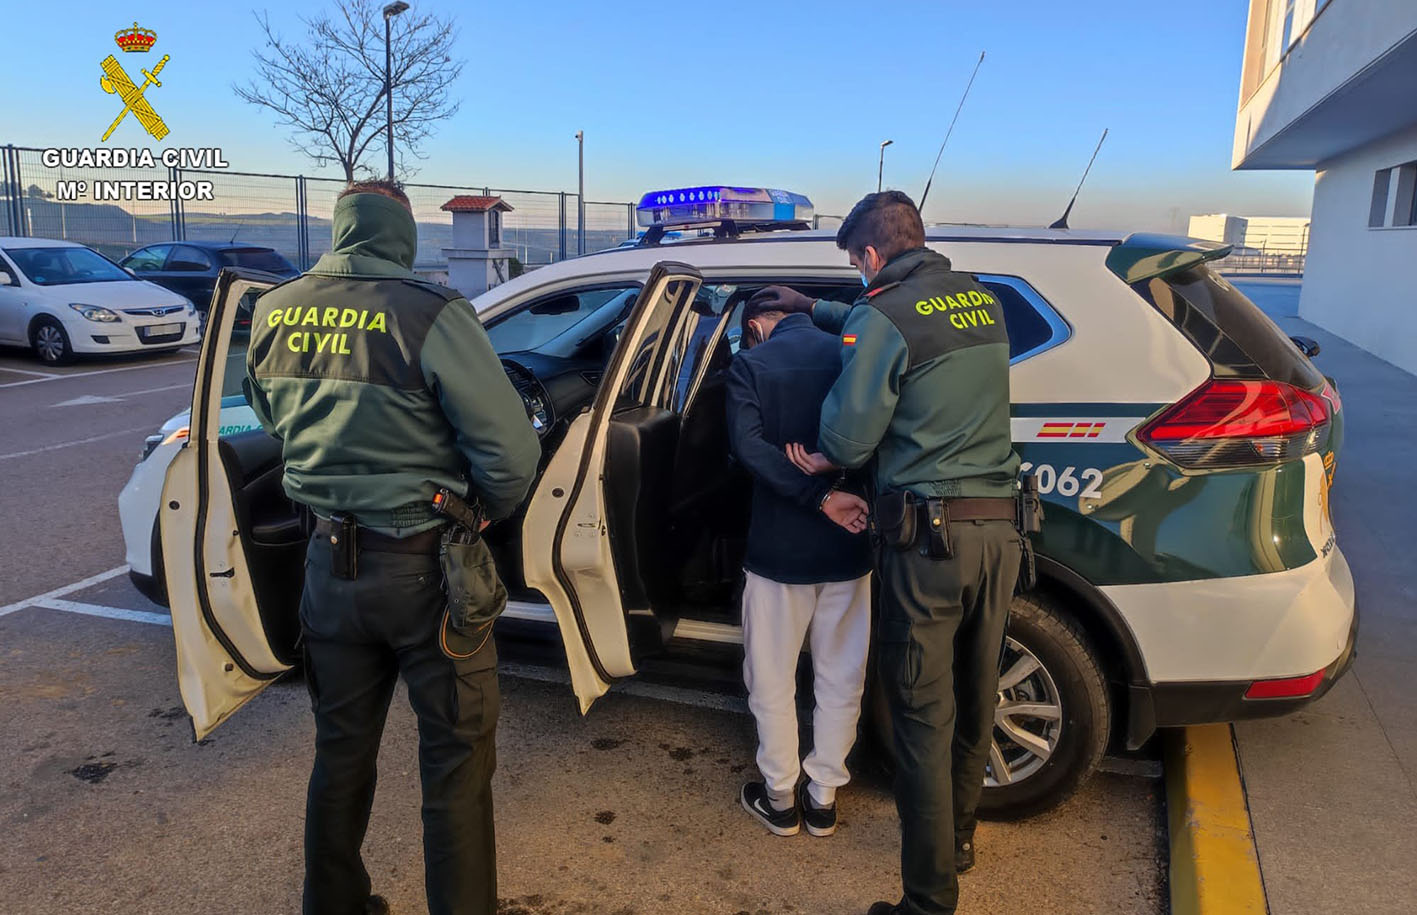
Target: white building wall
pixel 1346 38
pixel 1361 283
pixel 1277 234
pixel 1220 227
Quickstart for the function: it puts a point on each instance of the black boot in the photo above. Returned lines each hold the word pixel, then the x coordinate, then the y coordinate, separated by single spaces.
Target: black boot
pixel 376 905
pixel 882 908
pixel 964 855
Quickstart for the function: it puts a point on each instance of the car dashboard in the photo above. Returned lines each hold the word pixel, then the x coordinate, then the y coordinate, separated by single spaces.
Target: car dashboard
pixel 553 389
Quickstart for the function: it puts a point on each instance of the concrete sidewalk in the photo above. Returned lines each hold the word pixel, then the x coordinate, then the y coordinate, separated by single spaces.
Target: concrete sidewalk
pixel 1331 789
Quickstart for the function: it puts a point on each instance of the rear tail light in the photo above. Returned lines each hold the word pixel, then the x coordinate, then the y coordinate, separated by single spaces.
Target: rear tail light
pixel 1287 688
pixel 1235 423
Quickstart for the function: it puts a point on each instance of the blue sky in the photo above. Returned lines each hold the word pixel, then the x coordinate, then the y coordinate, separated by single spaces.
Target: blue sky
pixel 785 94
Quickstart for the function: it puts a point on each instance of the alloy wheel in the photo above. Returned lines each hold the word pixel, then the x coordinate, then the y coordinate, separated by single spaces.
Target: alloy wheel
pixel 1028 720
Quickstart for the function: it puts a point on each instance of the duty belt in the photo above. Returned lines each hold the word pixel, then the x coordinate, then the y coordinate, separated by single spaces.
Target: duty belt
pixel 996 509
pixel 424 542
pixel 904 521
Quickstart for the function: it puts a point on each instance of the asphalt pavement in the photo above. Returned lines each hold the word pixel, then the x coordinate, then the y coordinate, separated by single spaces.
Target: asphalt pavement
pixel 69 437
pixel 109 806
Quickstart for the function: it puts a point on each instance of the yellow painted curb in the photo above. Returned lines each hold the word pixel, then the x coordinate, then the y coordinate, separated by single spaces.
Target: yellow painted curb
pixel 1214 866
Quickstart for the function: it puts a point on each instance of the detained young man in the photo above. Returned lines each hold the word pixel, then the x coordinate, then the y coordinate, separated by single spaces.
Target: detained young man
pixel 808 573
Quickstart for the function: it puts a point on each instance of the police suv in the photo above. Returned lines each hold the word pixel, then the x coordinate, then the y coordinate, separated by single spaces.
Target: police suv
pixel 1184 446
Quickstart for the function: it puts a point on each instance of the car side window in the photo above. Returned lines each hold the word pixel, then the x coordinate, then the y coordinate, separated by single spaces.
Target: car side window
pixel 1034 325
pixel 185 257
pixel 721 306
pixel 147 260
pixel 234 372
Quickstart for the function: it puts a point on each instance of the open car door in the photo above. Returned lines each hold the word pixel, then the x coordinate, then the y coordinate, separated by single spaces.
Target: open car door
pixel 232 544
pixel 591 533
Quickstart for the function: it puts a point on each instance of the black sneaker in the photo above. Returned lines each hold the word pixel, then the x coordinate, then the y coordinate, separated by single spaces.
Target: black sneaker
pixel 779 822
pixel 964 856
pixel 821 821
pixel 376 905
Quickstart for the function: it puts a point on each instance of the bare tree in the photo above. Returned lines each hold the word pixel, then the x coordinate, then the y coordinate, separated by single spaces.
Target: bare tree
pixel 329 86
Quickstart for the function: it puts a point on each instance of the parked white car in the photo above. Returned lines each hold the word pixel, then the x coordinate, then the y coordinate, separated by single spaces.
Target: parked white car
pixel 62 299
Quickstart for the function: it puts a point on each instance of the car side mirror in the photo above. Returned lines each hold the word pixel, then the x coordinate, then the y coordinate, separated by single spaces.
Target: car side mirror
pixel 1307 345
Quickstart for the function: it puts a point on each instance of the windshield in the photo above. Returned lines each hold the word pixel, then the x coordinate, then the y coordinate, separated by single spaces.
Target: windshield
pixel 569 317
pixel 257 259
pixel 65 266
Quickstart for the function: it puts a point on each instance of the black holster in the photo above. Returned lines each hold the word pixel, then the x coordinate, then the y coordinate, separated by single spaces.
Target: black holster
pixel 344 547
pixel 1030 521
pixel 904 521
pixel 893 520
pixel 1030 505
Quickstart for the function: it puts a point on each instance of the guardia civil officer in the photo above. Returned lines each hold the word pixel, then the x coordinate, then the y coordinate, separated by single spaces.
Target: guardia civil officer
pixel 924 395
pixel 384 389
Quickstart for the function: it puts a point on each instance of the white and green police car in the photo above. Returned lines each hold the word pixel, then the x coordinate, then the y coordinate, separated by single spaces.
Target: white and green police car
pixel 1184 445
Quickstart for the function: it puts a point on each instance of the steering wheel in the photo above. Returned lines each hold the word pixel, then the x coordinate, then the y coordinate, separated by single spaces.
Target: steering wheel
pixel 534 397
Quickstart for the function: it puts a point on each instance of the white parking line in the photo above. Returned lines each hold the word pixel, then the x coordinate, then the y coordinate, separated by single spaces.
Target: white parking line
pixel 90 399
pixel 6 368
pixel 169 387
pixel 66 376
pixel 77 441
pixel 112 613
pixel 61 591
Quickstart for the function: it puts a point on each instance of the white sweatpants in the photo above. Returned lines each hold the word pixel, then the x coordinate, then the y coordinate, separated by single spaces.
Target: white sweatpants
pixel 777 618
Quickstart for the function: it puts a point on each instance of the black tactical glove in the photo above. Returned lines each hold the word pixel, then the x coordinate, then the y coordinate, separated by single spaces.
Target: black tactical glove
pixel 780 298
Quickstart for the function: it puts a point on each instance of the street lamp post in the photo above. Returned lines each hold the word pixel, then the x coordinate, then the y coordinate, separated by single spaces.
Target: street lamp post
pixel 881 165
pixel 390 11
pixel 580 191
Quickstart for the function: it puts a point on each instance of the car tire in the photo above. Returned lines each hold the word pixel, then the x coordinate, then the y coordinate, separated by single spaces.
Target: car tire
pixel 159 585
pixel 50 341
pixel 1040 627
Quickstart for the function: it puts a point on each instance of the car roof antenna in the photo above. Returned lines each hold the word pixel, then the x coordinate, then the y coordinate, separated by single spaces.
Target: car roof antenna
pixel 1062 222
pixel 239 224
pixel 967 87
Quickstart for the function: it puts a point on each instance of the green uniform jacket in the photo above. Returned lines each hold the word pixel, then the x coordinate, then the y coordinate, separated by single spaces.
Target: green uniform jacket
pixel 924 383
pixel 382 387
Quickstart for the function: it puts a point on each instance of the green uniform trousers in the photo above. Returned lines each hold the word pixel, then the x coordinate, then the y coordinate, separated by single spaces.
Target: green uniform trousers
pixel 359 636
pixel 940 638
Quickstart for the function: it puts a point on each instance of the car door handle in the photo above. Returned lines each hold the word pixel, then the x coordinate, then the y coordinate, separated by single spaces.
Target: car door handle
pixel 229 573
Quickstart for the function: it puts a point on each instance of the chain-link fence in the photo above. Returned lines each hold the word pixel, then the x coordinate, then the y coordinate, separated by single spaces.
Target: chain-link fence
pixel 289 213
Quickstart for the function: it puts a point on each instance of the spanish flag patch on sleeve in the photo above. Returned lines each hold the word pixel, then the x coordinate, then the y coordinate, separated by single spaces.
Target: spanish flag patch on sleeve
pixel 848 339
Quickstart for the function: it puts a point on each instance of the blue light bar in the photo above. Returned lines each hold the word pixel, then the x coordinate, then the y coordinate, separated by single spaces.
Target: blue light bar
pixel 690 205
